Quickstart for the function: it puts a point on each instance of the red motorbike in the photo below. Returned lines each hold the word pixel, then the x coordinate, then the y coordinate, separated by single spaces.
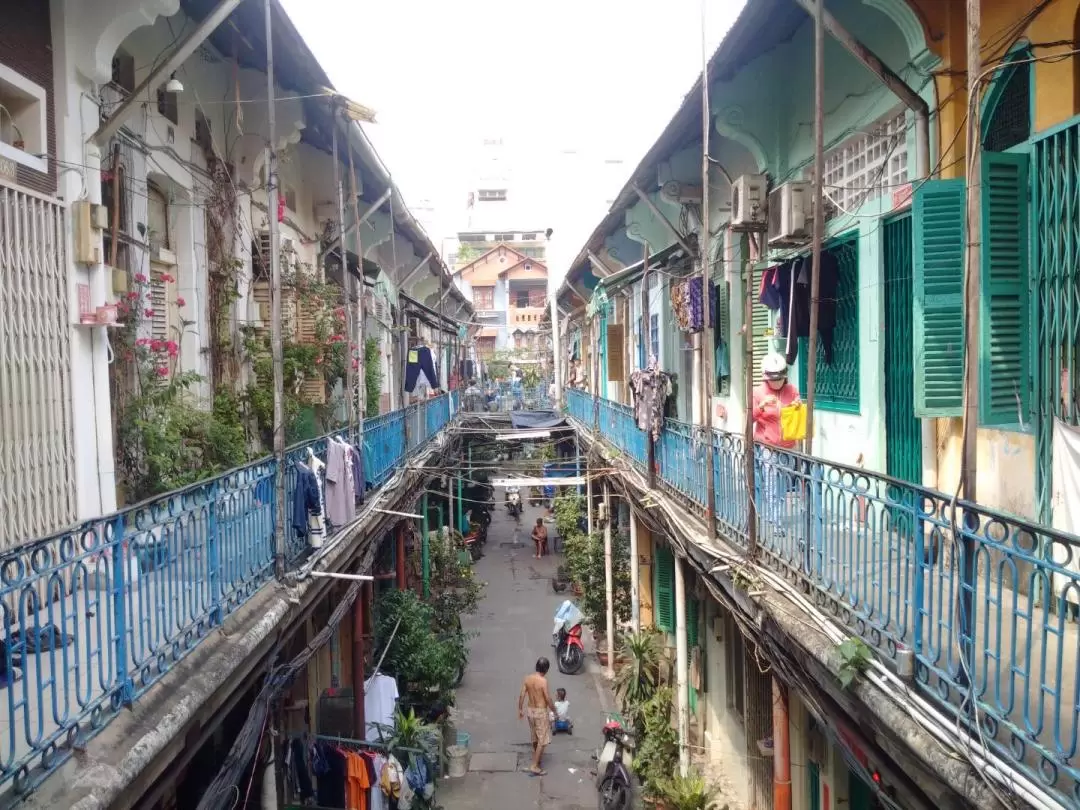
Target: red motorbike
pixel 569 651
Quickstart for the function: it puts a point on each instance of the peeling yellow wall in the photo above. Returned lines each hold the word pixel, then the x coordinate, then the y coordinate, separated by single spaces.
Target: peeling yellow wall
pixel 1006 460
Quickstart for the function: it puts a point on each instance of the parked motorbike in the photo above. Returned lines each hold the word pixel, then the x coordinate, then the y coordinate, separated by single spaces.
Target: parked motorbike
pixel 566 636
pixel 513 501
pixel 614 769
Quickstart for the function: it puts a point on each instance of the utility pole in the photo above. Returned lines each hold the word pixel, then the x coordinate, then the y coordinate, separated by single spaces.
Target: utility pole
pixel 748 377
pixel 346 280
pixel 646 345
pixel 609 582
pixel 682 666
pixel 361 346
pixel 972 263
pixel 556 360
pixel 707 341
pixel 276 338
pixel 819 217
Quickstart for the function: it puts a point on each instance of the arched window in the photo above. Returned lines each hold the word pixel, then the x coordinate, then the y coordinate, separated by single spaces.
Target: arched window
pixel 1006 117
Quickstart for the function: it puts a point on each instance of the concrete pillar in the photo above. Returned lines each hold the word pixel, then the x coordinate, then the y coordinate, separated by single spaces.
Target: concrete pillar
pixel 635 573
pixel 609 581
pixel 682 669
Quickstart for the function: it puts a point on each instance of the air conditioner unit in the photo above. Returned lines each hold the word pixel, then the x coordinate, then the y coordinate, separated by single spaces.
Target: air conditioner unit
pixel 789 214
pixel 748 202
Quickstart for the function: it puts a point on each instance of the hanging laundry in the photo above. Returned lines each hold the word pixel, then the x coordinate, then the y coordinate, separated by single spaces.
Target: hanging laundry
pixel 697 304
pixel 380 703
pixel 377 797
pixel 340 488
pixel 331 790
pixel 306 499
pixel 297 768
pixel 392 782
pixel 357 782
pixel 798 325
pixel 649 388
pixel 771 295
pixel 420 361
pixel 680 305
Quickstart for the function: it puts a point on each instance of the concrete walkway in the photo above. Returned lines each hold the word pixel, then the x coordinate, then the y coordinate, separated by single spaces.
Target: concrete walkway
pixel 513 628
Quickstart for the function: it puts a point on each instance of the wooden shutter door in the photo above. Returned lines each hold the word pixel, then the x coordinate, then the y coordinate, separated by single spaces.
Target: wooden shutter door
pixel 938 283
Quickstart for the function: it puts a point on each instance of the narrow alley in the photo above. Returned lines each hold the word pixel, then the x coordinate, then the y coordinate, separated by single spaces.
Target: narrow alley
pixel 511 630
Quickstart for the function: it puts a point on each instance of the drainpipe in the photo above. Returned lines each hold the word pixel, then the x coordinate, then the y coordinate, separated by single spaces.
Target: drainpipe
pixel 914 102
pixel 609 582
pixel 781 747
pixel 359 724
pixel 682 673
pixel 635 574
pixel 400 543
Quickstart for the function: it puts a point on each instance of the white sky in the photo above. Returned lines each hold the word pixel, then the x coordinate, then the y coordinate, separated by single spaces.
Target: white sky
pixel 599 77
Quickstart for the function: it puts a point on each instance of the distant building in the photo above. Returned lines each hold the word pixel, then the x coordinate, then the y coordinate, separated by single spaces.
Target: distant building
pixel 508 289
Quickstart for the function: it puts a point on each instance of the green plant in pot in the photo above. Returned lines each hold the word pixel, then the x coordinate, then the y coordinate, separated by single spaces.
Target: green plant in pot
pixel 637 681
pixel 690 792
pixel 657 754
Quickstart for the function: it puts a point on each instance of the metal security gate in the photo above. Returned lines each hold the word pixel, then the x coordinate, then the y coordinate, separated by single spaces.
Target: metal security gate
pixel 903 439
pixel 1056 299
pixel 37 464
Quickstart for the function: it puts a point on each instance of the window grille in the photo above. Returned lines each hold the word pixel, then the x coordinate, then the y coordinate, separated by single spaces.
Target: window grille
pixel 867 165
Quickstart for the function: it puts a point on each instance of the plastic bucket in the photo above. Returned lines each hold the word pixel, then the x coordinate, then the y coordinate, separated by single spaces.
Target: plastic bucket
pixel 457 756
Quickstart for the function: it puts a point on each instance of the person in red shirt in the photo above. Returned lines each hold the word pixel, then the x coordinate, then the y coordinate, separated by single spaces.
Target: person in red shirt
pixel 774 393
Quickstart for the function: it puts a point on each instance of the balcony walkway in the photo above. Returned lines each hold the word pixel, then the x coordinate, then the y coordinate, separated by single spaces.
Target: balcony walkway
pixel 886 559
pixel 96 615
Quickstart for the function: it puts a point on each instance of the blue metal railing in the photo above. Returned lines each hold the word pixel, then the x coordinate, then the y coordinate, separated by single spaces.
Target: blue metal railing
pixel 93 616
pixel 891 560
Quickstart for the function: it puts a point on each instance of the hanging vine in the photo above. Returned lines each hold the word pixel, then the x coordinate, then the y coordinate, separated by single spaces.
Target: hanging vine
pixel 222 216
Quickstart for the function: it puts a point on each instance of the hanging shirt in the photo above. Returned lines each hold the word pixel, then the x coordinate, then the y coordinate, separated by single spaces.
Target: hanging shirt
pixel 306 499
pixel 357 782
pixel 377 797
pixel 380 702
pixel 767 405
pixel 340 489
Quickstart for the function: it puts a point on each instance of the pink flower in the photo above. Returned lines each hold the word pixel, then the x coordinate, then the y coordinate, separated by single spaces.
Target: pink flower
pixel 148 313
pixel 131 296
pixel 172 348
pixel 142 342
pixel 141 278
pixel 162 371
pixel 180 302
pixel 337 338
pixel 157 345
pixel 167 278
pixel 355 364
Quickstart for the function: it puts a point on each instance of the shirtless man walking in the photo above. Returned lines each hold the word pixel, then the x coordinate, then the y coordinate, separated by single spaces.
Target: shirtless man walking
pixel 534 703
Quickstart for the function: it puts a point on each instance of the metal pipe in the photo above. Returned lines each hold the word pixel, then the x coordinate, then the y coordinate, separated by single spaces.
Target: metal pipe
pixel 707 341
pixel 635 574
pixel 346 280
pixel 609 582
pixel 360 395
pixel 186 48
pixel 425 550
pixel 660 216
pixel 359 724
pixel 781 733
pixel 339 575
pixel 556 358
pixel 646 346
pixel 749 468
pixel 276 336
pixel 682 674
pixel 819 219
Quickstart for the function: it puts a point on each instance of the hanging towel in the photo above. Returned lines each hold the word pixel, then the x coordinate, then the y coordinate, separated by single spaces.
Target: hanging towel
pixel 420 361
pixel 358 472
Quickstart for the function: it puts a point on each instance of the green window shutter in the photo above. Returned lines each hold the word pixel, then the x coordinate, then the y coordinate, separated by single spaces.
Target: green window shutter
pixel 1004 315
pixel 761 327
pixel 664 596
pixel 691 623
pixel 938 283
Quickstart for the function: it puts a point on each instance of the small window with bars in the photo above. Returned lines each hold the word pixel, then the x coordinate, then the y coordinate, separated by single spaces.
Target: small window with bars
pixel 484 297
pixel 1008 109
pixel 867 165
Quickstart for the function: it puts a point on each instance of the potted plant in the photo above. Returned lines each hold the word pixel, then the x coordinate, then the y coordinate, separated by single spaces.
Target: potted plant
pixel 636 682
pixel 657 754
pixel 689 792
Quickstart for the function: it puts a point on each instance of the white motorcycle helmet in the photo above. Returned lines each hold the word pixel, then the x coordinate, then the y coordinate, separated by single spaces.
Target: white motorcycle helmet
pixel 774 369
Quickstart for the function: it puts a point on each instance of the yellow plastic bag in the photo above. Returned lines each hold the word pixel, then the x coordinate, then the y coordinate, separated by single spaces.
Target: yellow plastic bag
pixel 793 422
